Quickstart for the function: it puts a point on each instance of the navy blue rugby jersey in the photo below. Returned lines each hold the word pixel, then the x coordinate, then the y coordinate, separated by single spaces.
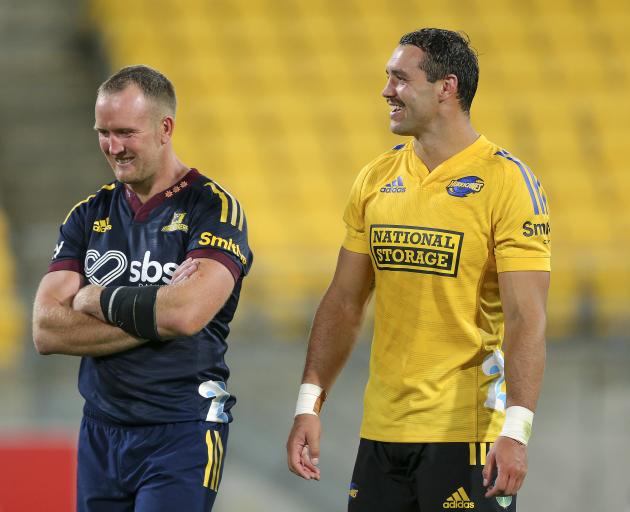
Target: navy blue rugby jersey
pixel 115 240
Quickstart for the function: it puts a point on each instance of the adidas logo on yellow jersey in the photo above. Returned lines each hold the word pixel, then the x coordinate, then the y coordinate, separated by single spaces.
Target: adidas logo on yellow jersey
pixel 458 500
pixel 395 186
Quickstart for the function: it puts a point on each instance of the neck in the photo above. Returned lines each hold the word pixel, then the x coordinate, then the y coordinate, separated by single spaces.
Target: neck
pixel 171 171
pixel 444 139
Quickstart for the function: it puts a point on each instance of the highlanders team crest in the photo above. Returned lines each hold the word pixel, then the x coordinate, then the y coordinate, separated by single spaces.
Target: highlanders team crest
pixel 465 186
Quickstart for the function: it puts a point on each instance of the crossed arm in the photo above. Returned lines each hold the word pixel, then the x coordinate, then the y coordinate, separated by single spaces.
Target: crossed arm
pixel 67 317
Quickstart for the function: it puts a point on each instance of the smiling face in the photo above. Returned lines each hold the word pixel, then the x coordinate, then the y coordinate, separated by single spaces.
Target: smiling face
pixel 413 99
pixel 130 134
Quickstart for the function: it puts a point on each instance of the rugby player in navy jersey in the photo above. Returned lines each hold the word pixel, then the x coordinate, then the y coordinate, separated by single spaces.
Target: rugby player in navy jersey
pixel 143 283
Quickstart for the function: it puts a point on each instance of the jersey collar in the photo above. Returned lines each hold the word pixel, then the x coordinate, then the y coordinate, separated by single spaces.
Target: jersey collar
pixel 141 210
pixel 478 146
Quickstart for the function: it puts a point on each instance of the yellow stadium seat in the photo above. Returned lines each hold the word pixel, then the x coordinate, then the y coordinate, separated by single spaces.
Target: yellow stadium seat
pixel 280 102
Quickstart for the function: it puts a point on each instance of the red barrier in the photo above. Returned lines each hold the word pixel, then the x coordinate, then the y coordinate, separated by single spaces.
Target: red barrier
pixel 37 473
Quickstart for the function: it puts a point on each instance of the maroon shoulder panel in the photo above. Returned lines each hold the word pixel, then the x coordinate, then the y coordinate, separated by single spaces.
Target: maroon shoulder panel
pixel 219 256
pixel 74 265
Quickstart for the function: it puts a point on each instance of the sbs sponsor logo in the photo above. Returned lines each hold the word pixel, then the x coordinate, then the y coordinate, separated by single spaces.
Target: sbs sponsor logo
pixel 151 272
pixel 104 269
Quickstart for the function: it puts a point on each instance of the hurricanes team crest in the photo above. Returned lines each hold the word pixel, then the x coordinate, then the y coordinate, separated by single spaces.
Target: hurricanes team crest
pixel 463 187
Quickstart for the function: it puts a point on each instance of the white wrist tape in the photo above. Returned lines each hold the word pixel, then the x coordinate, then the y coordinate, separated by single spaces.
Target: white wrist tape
pixel 310 399
pixel 518 423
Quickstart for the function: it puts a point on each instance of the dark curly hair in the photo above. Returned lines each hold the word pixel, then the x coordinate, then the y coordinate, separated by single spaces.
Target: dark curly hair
pixel 447 52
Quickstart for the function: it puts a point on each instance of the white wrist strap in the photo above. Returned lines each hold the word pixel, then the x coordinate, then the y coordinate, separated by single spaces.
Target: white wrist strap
pixel 310 399
pixel 518 423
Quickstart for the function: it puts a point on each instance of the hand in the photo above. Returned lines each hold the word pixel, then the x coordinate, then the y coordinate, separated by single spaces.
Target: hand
pixel 88 300
pixel 187 268
pixel 507 462
pixel 303 446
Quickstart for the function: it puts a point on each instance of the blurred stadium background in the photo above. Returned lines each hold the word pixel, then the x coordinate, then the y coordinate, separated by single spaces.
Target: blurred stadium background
pixel 279 101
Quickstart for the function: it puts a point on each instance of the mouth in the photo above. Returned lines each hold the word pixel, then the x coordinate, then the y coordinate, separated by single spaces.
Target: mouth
pixel 395 109
pixel 123 160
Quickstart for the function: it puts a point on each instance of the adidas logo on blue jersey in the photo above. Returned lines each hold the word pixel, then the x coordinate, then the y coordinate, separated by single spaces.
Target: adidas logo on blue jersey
pixel 395 186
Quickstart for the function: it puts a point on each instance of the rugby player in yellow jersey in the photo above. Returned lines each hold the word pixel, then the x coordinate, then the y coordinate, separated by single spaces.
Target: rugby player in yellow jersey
pixel 451 233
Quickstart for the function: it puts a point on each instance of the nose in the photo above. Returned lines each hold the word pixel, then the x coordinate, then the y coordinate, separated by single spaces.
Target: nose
pixel 115 147
pixel 389 91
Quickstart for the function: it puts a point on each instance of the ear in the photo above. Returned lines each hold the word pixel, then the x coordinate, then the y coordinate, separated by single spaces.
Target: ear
pixel 166 129
pixel 449 88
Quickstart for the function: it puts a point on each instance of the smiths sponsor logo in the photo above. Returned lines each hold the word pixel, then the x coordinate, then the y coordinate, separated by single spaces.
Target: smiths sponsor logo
pixel 416 249
pixel 531 229
pixel 101 226
pixel 394 187
pixel 465 186
pixel 177 223
pixel 208 239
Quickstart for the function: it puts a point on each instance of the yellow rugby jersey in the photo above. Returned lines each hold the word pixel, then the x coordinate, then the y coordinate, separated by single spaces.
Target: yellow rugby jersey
pixel 437 241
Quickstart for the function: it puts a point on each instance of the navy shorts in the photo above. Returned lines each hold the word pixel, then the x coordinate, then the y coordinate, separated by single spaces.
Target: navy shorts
pixel 174 466
pixel 414 477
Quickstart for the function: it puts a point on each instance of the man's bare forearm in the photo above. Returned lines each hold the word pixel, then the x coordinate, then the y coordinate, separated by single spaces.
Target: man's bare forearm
pixel 58 329
pixel 524 348
pixel 338 319
pixel 183 307
pixel 524 298
pixel 333 335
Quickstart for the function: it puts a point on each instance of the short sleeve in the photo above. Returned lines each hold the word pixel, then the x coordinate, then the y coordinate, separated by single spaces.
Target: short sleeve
pixel 219 231
pixel 69 251
pixel 521 224
pixel 357 237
